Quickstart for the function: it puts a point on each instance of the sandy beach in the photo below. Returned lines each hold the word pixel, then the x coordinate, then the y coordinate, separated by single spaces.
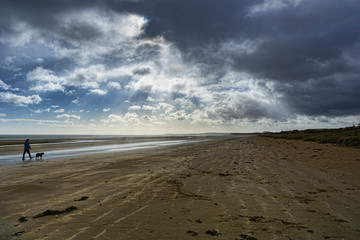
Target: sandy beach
pixel 230 188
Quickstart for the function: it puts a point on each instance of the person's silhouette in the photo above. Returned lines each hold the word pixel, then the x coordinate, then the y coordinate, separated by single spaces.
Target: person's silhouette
pixel 26 149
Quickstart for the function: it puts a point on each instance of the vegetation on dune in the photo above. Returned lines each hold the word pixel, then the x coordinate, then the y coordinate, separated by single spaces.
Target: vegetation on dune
pixel 346 137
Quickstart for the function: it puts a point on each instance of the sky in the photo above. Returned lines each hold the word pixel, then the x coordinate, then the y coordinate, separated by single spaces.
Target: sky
pixel 178 66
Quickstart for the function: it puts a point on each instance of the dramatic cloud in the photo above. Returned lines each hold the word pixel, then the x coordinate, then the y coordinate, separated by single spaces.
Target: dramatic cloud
pixel 208 64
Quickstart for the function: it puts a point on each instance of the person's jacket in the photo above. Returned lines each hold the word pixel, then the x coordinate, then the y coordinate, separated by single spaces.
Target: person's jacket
pixel 26 146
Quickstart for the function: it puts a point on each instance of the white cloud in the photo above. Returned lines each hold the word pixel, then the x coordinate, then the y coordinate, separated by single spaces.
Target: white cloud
pixel 184 103
pixel 98 92
pixel 152 65
pixel 106 109
pixel 44 75
pixel 45 80
pixel 41 110
pixel 90 76
pixel 135 108
pixel 105 31
pixel 59 111
pixel 48 87
pixel 166 107
pixel 85 77
pixel 30 121
pixel 76 101
pixel 68 117
pixel 148 108
pixel 179 115
pixel 244 47
pixel 82 34
pixel 130 119
pixel 18 100
pixel 146 118
pixel 2 115
pixel 150 99
pixel 205 118
pixel 115 85
pixel 38 111
pixel 113 118
pixel 272 5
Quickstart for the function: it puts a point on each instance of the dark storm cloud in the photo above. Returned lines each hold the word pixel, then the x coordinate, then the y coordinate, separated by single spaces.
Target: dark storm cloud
pixel 333 96
pixel 305 52
pixel 299 45
pixel 191 24
pixel 300 38
pixel 37 13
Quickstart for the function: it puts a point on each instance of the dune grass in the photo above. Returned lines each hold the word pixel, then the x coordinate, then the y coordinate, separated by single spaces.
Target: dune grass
pixel 346 137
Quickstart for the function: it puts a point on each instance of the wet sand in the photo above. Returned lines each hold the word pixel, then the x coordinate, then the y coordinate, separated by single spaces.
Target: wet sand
pixel 234 188
pixel 93 148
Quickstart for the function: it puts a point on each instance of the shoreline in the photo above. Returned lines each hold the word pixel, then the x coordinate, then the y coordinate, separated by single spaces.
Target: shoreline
pixel 89 147
pixel 52 143
pixel 232 188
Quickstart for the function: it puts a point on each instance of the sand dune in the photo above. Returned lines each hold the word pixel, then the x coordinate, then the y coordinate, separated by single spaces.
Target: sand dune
pixel 234 188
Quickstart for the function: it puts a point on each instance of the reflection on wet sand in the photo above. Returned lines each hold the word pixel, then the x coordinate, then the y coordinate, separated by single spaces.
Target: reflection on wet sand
pixel 98 149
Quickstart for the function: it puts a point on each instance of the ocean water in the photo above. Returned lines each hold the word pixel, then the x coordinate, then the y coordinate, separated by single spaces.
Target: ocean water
pixel 64 137
pixel 81 137
pixel 127 143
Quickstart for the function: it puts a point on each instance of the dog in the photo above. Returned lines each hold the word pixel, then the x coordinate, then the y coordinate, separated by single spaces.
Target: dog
pixel 39 155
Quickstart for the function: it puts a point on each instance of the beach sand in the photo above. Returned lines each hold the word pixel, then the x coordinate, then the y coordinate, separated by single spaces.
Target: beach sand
pixel 234 188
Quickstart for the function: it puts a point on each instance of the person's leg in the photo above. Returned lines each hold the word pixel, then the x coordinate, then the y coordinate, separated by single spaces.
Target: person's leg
pixel 28 151
pixel 24 155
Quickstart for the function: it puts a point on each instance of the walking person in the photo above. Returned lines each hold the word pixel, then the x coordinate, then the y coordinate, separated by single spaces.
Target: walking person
pixel 27 149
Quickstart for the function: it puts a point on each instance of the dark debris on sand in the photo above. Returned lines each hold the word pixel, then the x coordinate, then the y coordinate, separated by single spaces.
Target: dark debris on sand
pixel 247 237
pixel 23 219
pixel 55 212
pixel 18 233
pixel 82 199
pixel 192 233
pixel 213 233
